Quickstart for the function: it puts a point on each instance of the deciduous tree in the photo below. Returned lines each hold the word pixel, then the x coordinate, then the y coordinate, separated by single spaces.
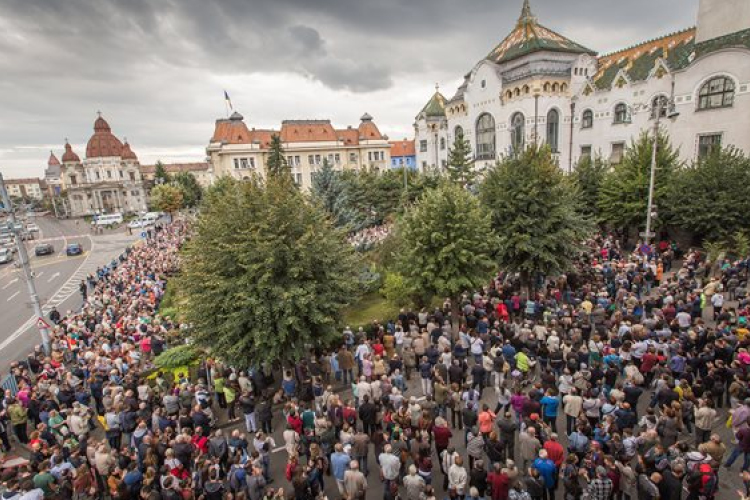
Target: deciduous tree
pixel 191 190
pixel 167 198
pixel 447 244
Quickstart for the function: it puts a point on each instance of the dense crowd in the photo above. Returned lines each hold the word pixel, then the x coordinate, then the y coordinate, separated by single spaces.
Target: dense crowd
pixel 366 238
pixel 607 383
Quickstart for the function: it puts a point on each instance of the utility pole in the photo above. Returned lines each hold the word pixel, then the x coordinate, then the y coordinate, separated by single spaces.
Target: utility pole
pixel 26 268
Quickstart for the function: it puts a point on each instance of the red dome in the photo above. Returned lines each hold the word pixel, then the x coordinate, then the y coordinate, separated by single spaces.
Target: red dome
pixel 103 143
pixel 69 155
pixel 53 161
pixel 127 153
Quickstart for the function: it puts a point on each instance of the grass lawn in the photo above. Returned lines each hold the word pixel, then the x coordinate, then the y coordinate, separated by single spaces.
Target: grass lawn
pixel 372 306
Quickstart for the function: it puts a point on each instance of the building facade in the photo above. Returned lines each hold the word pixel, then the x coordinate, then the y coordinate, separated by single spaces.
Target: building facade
pixel 403 154
pixel 539 87
pixel 31 189
pixel 108 180
pixel 201 170
pixel 240 152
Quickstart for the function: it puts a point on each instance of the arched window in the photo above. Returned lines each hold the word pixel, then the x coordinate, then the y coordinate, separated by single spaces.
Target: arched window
pixel 587 119
pixel 621 113
pixel 485 137
pixel 458 131
pixel 509 94
pixel 517 132
pixel 716 93
pixel 555 87
pixel 546 87
pixel 661 103
pixel 526 89
pixel 517 92
pixel 553 130
pixel 564 87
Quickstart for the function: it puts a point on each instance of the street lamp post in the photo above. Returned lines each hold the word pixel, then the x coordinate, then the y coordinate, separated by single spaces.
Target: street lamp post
pixel 26 268
pixel 661 105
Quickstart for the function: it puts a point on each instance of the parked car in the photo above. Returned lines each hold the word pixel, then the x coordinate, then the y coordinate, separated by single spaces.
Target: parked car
pixel 73 249
pixel 6 255
pixel 44 249
pixel 32 228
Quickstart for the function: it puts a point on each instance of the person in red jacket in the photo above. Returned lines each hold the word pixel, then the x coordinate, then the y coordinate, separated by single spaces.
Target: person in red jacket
pixel 442 435
pixel 499 483
pixel 555 450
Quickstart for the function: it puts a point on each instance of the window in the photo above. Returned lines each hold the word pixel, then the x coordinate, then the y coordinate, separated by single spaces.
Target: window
pixel 353 156
pixel 621 113
pixel 317 159
pixel 458 131
pixel 297 161
pixel 337 158
pixel 237 163
pixel 109 174
pixel 298 179
pixel 121 176
pixel 587 119
pixel 444 164
pixel 424 165
pixel 310 159
pixel 517 132
pixel 660 103
pixel 553 130
pixel 716 93
pixel 132 176
pixel 484 83
pixel 72 180
pixel 618 150
pixel 442 143
pixel 485 137
pixel 243 163
pixel 369 155
pixel 585 151
pixel 423 146
pixel 707 144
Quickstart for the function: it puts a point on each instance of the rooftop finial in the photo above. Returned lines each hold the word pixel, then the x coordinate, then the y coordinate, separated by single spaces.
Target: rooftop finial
pixel 526 14
pixel 99 114
pixel 437 87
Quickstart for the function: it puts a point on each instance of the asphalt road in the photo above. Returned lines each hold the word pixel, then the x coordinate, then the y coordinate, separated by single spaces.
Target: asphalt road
pixel 56 278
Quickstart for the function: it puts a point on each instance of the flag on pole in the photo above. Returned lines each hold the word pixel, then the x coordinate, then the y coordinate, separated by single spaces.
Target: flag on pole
pixel 228 100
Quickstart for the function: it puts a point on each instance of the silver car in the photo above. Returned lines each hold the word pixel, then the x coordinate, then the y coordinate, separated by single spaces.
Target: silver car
pixel 6 256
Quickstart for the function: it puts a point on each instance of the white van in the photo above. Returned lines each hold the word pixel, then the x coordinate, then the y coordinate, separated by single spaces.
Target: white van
pixel 145 220
pixel 107 219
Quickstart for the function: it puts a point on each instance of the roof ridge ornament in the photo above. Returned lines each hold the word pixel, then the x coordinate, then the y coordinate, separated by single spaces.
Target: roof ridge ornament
pixel 527 17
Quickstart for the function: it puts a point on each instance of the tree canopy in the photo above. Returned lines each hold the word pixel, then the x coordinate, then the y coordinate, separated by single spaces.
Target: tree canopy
pixel 160 174
pixel 191 190
pixel 588 176
pixel 447 243
pixel 327 187
pixel 533 214
pixel 460 165
pixel 623 196
pixel 167 198
pixel 266 275
pixel 276 164
pixel 709 198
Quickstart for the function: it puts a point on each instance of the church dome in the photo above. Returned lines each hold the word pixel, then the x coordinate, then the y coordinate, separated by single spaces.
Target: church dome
pixel 103 143
pixel 69 155
pixel 127 153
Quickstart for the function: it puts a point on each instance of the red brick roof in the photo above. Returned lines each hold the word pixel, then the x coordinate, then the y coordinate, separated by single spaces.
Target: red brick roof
pixel 103 143
pixel 69 155
pixel 52 159
pixel 402 148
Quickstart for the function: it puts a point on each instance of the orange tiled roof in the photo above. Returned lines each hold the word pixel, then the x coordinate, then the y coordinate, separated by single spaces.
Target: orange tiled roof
pixel 307 131
pixel 402 148
pixel 369 131
pixel 349 136
pixel 69 154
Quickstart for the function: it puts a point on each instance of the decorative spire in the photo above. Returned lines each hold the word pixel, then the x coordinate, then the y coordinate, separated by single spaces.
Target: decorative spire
pixel 437 87
pixel 526 15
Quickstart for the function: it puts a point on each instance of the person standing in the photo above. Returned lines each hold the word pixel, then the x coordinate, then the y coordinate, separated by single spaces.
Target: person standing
pixel 354 483
pixel 361 450
pixel 339 463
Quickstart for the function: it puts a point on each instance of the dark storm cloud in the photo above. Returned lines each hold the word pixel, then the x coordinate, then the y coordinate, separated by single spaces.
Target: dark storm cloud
pixel 152 61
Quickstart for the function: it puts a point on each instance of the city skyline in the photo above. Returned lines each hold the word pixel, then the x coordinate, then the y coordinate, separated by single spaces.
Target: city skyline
pixel 158 72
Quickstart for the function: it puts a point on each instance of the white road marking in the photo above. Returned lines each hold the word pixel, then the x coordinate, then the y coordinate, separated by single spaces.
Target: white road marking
pixel 53 277
pixel 10 283
pixel 13 296
pixel 39 275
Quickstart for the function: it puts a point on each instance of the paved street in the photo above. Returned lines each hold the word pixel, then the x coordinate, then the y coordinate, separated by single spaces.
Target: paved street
pixel 56 276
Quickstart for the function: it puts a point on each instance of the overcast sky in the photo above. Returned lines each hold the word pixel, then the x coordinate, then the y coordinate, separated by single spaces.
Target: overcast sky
pixel 157 69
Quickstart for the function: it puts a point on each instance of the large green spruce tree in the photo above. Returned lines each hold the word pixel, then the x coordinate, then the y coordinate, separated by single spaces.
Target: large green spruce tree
pixel 276 164
pixel 447 244
pixel 460 165
pixel 266 275
pixel 623 195
pixel 533 213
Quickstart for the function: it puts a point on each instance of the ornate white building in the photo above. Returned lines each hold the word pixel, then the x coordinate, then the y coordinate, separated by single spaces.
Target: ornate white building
pixel 108 180
pixel 538 86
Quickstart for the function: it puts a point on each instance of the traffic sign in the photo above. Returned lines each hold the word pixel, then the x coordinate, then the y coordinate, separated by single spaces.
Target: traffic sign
pixel 40 323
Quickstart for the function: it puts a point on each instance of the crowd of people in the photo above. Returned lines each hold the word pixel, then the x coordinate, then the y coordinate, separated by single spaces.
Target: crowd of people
pixel 367 238
pixel 610 382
